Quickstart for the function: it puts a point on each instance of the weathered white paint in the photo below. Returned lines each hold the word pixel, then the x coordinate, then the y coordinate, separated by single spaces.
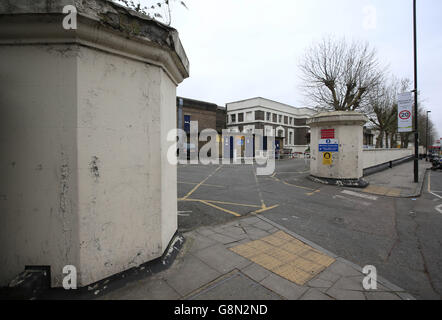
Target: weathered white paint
pixel 374 157
pixel 347 163
pixel 83 150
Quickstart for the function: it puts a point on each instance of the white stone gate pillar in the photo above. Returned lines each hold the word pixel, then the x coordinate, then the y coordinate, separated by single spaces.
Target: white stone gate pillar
pixel 336 148
pixel 84 117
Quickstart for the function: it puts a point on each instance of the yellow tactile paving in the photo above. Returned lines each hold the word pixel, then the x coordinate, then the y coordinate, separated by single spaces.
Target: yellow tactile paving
pixel 274 241
pixel 293 274
pixel 295 248
pixel 285 256
pixel 267 261
pixel 382 191
pixel 307 266
pixel 281 255
pixel 318 258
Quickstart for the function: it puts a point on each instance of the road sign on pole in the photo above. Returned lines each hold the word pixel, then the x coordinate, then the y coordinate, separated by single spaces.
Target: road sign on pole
pixel 405 112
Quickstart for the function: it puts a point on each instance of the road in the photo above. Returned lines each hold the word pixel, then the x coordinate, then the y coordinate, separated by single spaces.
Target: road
pixel 401 237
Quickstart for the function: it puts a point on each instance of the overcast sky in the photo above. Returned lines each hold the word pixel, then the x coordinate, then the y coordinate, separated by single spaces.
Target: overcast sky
pixel 240 49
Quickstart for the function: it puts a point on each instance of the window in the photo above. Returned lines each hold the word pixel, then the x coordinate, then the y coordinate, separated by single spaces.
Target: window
pixel 280 119
pixel 269 116
pixel 240 117
pixel 187 123
pixel 275 117
pixel 233 118
pixel 286 120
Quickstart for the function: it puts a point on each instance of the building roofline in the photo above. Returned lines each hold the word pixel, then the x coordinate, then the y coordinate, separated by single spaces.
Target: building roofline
pixel 281 103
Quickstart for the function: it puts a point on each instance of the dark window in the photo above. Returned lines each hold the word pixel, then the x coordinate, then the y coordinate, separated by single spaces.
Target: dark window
pixel 300 122
pixel 269 116
pixel 275 118
pixel 233 118
pixel 240 117
pixel 259 115
pixel 286 120
pixel 187 124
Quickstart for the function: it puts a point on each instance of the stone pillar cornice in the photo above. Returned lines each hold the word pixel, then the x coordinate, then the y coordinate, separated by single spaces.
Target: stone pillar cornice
pixel 341 117
pixel 102 24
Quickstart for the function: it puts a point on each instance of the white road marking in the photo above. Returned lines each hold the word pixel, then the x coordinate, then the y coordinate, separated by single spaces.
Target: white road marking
pixel 439 208
pixel 436 195
pixel 183 213
pixel 360 195
pixel 352 200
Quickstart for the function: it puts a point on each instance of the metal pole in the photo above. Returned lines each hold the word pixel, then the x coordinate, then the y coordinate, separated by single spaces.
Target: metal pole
pixel 426 138
pixel 416 133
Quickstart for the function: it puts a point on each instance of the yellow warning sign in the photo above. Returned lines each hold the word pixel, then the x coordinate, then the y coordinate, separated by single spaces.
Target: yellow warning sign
pixel 327 158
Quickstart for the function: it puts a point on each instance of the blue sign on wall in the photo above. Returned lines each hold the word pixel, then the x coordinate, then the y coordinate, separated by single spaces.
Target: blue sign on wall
pixel 329 148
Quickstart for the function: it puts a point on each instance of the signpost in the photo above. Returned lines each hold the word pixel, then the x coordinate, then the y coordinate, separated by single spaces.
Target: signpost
pixel 405 112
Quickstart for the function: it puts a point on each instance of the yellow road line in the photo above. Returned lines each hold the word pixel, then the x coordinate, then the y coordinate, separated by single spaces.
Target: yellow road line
pixel 206 185
pixel 222 209
pixel 264 209
pixel 201 183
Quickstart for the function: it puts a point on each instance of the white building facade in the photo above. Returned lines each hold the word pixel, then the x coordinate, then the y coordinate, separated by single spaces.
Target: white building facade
pixel 286 123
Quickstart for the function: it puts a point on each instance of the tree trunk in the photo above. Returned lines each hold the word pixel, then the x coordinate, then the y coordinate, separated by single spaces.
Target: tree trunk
pixel 380 140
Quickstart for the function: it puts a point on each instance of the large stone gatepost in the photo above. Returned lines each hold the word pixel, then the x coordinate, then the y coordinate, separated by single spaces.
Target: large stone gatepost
pixel 336 148
pixel 84 117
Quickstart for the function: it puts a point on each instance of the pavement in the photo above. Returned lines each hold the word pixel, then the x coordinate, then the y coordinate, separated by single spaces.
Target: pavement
pixel 286 237
pixel 397 181
pixel 255 259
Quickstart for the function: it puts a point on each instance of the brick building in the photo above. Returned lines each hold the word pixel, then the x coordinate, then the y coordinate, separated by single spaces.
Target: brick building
pixel 208 115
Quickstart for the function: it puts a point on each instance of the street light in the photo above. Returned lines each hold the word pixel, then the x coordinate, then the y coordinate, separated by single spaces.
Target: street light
pixel 426 150
pixel 416 133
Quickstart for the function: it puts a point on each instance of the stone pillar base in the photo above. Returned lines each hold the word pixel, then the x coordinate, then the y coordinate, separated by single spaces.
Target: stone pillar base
pixel 349 183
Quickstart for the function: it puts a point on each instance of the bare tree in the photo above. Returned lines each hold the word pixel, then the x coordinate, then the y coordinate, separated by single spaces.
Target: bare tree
pixel 382 109
pixel 338 75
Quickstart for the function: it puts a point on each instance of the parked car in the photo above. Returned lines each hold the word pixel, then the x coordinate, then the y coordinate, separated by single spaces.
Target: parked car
pixel 437 164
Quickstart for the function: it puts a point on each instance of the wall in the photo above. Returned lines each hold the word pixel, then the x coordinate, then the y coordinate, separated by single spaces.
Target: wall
pixel 38 158
pixel 347 163
pixel 83 149
pixel 124 114
pixel 374 157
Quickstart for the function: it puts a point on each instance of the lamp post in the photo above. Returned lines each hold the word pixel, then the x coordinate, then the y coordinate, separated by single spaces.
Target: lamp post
pixel 426 151
pixel 416 133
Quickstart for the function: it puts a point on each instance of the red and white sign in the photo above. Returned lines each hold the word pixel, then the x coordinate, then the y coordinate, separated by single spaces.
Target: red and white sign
pixel 405 115
pixel 405 112
pixel 327 133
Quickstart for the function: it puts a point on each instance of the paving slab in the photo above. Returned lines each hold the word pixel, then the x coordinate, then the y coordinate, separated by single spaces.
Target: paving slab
pixel 283 287
pixel 235 287
pixel 397 181
pixel 150 289
pixel 189 275
pixel 220 259
pixel 263 266
pixel 315 294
